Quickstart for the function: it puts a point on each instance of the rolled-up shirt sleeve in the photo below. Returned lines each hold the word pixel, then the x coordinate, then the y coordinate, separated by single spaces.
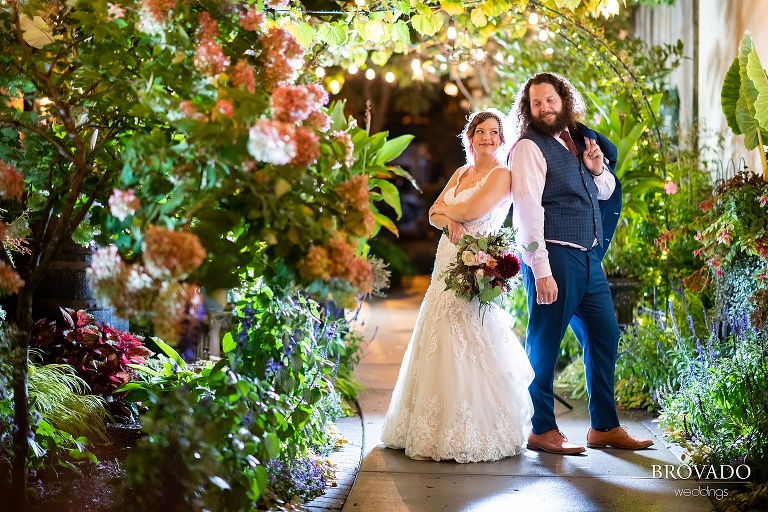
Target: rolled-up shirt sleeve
pixel 605 183
pixel 529 174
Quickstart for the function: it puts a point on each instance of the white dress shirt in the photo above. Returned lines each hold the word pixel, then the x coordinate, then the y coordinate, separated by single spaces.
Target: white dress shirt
pixel 529 173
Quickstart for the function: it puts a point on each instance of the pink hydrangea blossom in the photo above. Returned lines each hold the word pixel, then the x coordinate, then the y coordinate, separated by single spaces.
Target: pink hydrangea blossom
pixel 188 110
pixel 295 103
pixel 319 120
pixel 223 107
pixel 670 188
pixel 106 266
pixel 345 140
pixel 135 292
pixel 210 58
pixel 282 56
pixel 763 199
pixel 171 254
pixel 11 182
pixel 243 75
pixel 177 309
pixel 277 4
pixel 272 141
pixel 209 28
pixel 307 147
pixel 115 12
pixel 253 20
pixel 10 282
pixel 122 204
pixel 158 8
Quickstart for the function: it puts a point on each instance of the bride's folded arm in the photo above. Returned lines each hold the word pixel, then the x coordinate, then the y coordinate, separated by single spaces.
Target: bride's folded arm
pixel 493 193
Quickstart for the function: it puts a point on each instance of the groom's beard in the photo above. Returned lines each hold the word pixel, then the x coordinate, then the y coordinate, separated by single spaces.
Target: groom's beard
pixel 560 124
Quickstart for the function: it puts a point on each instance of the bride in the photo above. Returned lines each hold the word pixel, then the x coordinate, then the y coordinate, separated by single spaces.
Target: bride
pixel 462 391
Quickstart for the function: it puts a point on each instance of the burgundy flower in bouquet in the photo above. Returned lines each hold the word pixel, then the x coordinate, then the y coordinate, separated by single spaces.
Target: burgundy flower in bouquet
pixel 485 267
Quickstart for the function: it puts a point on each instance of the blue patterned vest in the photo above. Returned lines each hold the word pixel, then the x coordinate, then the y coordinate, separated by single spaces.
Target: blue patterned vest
pixel 571 211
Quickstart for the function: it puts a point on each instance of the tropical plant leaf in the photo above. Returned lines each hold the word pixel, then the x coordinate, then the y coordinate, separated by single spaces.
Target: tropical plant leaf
pixel 386 222
pixel 390 195
pixel 729 95
pixel 392 149
pixel 745 116
pixel 757 75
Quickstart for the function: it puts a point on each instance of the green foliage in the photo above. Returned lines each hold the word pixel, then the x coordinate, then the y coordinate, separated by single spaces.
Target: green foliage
pixel 744 98
pixel 735 221
pixel 61 398
pixel 206 446
pixel 720 410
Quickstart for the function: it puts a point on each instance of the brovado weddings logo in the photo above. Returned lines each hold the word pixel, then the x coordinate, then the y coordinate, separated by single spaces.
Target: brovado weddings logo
pixel 725 472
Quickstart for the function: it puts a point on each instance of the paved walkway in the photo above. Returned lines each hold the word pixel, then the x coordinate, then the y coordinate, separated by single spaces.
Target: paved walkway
pixel 601 480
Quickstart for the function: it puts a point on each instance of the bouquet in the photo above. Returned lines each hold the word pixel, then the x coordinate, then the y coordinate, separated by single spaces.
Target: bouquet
pixel 484 268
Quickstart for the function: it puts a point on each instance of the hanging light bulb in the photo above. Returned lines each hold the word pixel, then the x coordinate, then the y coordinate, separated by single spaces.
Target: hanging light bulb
pixel 543 35
pixel 360 3
pixel 415 64
pixel 533 18
pixel 335 86
pixel 352 69
pixel 370 74
pixel 451 89
pixel 320 72
pixel 451 32
pixel 389 77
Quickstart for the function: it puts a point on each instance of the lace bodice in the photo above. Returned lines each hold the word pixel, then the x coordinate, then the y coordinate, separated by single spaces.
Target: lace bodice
pixel 490 223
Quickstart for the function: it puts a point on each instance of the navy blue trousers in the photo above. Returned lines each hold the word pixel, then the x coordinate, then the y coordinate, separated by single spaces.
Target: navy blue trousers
pixel 583 297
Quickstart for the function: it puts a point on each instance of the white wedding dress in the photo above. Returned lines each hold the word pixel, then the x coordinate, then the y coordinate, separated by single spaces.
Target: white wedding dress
pixel 462 391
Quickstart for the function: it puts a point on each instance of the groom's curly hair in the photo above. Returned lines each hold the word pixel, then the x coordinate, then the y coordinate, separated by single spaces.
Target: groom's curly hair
pixel 573 103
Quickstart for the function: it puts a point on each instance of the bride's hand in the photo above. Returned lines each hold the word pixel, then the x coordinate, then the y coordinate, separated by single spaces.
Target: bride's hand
pixel 455 231
pixel 438 208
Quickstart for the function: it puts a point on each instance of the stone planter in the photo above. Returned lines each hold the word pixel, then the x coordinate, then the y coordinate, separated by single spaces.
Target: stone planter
pixel 625 293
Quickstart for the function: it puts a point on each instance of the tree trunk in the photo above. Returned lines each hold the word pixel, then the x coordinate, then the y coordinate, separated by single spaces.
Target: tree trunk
pixel 20 345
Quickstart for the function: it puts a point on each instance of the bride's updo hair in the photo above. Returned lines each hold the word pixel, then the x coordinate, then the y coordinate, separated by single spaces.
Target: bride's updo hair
pixel 475 119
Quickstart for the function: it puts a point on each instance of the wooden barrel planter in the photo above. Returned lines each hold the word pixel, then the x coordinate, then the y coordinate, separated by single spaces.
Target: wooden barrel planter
pixel 65 285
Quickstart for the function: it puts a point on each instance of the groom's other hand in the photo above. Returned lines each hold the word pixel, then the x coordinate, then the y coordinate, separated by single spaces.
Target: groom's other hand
pixel 546 290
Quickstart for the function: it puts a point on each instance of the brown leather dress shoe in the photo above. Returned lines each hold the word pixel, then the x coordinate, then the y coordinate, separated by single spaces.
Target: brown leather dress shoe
pixel 617 437
pixel 553 441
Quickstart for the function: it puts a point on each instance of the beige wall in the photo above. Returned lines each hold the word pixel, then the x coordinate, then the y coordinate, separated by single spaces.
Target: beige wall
pixel 721 26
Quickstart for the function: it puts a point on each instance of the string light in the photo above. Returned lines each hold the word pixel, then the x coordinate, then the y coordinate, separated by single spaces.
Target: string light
pixel 370 74
pixel 389 77
pixel 451 89
pixel 451 32
pixel 533 18
pixel 543 35
pixel 320 72
pixel 335 86
pixel 464 67
pixel 352 69
pixel 360 3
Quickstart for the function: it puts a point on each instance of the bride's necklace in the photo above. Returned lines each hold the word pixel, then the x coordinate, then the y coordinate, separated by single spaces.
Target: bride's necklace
pixel 477 173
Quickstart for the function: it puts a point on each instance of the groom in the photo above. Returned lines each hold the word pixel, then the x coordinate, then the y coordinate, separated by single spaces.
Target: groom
pixel 558 176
